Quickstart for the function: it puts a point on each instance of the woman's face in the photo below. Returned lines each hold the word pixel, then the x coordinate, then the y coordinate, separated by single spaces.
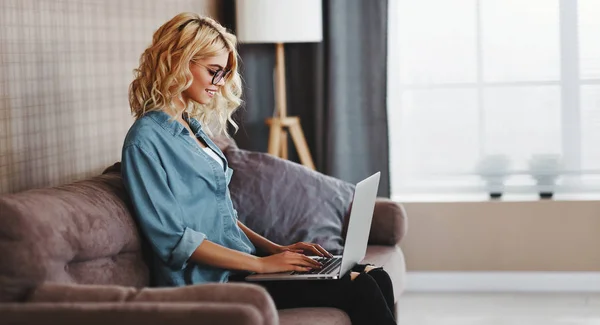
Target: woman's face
pixel 202 90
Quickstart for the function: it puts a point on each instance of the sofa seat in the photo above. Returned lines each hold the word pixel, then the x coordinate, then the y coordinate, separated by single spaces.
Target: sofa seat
pixel 310 316
pixel 72 254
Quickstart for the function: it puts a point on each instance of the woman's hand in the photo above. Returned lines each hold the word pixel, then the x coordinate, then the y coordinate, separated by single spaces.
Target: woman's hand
pixel 272 248
pixel 287 261
pixel 306 249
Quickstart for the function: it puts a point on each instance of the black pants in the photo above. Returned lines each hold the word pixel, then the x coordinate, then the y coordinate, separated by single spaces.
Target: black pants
pixel 369 299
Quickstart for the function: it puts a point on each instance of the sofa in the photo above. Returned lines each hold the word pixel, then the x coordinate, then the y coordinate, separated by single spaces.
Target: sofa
pixel 72 254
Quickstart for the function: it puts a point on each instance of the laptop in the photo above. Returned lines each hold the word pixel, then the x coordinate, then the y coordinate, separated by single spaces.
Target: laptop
pixel 357 236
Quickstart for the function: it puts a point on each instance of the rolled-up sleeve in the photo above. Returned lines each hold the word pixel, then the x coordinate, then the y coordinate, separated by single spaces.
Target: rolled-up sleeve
pixel 158 213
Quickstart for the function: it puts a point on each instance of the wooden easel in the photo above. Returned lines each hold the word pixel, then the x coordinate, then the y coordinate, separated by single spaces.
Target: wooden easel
pixel 281 123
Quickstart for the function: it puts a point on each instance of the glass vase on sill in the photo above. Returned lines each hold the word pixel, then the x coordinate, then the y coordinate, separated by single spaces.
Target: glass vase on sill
pixel 545 169
pixel 494 170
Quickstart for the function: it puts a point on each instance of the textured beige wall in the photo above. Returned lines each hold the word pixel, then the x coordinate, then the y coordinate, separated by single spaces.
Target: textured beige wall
pixel 503 236
pixel 65 67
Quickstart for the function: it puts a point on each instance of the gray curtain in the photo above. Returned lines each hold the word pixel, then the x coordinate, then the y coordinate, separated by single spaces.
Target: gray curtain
pixel 336 87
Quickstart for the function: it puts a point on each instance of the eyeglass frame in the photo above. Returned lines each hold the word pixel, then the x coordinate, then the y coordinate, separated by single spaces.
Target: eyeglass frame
pixel 224 73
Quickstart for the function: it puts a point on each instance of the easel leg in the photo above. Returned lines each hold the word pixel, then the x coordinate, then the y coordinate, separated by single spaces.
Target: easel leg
pixel 274 138
pixel 284 144
pixel 301 146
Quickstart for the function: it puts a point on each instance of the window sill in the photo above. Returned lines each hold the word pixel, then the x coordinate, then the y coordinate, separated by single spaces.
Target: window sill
pixel 484 197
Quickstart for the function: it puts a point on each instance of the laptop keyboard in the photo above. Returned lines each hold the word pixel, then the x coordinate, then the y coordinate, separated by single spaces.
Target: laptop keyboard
pixel 329 264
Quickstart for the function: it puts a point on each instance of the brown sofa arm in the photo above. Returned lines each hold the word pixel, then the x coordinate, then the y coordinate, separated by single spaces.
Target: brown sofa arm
pixel 219 293
pixel 147 313
pixel 389 223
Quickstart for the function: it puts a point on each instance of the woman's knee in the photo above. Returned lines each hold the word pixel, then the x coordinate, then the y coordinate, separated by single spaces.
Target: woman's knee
pixel 381 277
pixel 376 279
pixel 378 272
pixel 365 280
pixel 370 268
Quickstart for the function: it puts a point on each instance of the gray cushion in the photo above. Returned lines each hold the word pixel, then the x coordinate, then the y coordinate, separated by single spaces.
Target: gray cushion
pixel 287 202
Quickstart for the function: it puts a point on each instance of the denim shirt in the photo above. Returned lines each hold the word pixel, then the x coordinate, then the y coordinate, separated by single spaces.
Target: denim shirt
pixel 180 198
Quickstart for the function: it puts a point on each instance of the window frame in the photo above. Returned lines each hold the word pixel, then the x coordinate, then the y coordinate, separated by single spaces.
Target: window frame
pixel 569 83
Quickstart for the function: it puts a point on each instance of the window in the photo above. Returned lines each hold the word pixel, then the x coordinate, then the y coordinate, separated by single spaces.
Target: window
pixel 481 90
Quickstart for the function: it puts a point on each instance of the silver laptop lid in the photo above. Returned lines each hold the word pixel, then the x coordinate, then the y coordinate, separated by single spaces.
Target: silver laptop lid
pixel 359 225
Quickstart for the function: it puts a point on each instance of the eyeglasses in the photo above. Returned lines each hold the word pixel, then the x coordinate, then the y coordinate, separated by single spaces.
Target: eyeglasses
pixel 218 75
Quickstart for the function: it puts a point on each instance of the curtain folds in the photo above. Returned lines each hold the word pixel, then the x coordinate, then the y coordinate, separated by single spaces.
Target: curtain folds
pixel 337 87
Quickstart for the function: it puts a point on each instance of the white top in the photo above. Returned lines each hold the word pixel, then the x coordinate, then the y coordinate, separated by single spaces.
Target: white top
pixel 214 156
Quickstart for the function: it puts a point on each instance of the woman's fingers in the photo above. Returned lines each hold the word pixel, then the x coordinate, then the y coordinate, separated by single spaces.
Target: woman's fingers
pixel 306 248
pixel 303 260
pixel 307 261
pixel 315 249
pixel 312 262
pixel 312 248
pixel 323 251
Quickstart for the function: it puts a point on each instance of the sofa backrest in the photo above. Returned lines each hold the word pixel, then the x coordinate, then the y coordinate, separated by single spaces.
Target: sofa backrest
pixel 77 233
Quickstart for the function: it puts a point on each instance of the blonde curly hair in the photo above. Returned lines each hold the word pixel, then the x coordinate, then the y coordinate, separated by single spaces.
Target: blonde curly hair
pixel 164 71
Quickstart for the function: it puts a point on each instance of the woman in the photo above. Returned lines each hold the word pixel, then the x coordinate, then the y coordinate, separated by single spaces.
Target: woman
pixel 177 179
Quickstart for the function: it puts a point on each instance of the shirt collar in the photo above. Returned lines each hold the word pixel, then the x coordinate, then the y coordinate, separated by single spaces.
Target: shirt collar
pixel 193 123
pixel 165 120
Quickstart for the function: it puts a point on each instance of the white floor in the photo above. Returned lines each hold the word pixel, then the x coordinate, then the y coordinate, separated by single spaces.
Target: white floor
pixel 499 309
